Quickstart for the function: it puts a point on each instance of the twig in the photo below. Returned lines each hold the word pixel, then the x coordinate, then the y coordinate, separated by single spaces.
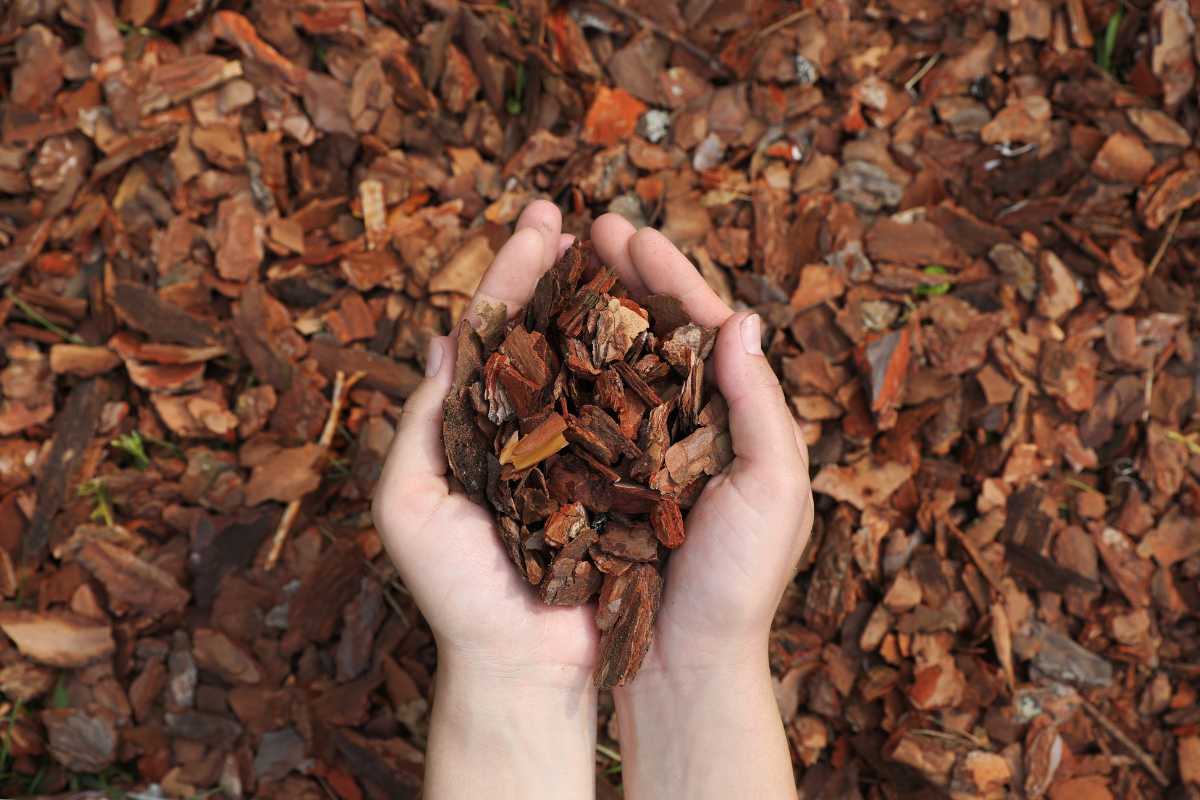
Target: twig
pixel 392 602
pixel 1191 440
pixel 699 52
pixel 1075 483
pixel 1137 752
pixel 1182 666
pixel 341 388
pixel 1161 252
pixel 975 555
pixel 1147 393
pixel 608 752
pixel 783 23
pixel 41 319
pixel 912 82
pixel 948 736
pixel 281 532
pixel 325 788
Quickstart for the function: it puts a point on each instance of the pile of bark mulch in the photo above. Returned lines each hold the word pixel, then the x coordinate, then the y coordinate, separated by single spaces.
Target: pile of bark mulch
pixel 969 225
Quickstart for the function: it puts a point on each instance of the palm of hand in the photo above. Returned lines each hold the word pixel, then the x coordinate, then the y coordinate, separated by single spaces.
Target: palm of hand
pixel 714 599
pixel 488 609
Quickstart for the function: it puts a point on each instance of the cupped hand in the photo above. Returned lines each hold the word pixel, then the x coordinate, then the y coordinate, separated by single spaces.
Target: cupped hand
pixel 749 528
pixel 744 535
pixel 446 547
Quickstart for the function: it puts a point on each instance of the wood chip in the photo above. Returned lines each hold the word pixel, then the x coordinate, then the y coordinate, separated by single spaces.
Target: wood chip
pixel 57 639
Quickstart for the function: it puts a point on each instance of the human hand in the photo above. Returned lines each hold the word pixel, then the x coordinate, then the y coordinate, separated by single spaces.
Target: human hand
pixel 446 547
pixel 514 712
pixel 749 528
pixel 700 719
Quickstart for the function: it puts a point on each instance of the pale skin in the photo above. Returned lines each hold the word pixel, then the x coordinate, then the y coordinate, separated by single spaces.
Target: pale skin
pixel 514 713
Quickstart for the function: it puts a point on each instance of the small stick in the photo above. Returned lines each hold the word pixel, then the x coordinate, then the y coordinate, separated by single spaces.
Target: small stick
pixel 975 555
pixel 341 388
pixel 1148 393
pixel 912 82
pixel 1165 243
pixel 41 319
pixel 1182 666
pixel 783 23
pixel 1141 755
pixel 608 752
pixel 698 52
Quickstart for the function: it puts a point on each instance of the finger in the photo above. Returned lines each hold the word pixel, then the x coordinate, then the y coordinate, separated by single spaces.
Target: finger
pixel 801 445
pixel 665 270
pixel 564 243
pixel 809 508
pixel 804 534
pixel 768 462
pixel 514 272
pixel 415 469
pixel 610 236
pixel 545 218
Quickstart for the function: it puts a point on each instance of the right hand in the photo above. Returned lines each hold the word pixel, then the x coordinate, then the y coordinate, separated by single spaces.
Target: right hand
pixel 752 522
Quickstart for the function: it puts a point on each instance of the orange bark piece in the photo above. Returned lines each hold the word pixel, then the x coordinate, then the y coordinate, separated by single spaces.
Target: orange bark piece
pixel 57 639
pixel 63 264
pixel 612 117
pixel 667 520
pixel 1123 158
pixel 540 443
pixel 1189 759
pixel 343 784
pixel 239 31
pixel 888 367
pixel 1091 787
pixel 76 359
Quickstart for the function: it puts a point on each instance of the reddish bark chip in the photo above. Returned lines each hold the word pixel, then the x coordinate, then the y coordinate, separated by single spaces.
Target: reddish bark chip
pixel 240 231
pixel 668 522
pixel 1123 158
pixel 612 117
pixel 1189 759
pixel 625 615
pixel 57 639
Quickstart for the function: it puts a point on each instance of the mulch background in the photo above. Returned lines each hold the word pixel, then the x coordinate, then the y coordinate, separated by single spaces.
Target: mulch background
pixel 968 224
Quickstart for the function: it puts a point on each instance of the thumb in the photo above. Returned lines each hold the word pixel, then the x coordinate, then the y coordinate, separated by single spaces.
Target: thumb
pixel 767 457
pixel 413 479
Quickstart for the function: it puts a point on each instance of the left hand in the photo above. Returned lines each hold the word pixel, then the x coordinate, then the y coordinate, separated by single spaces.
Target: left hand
pixel 514 711
pixel 446 547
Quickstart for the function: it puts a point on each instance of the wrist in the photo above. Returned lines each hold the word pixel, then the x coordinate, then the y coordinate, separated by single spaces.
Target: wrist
pixel 679 659
pixel 478 699
pixel 498 730
pixel 504 672
pixel 668 685
pixel 704 731
pixel 476 690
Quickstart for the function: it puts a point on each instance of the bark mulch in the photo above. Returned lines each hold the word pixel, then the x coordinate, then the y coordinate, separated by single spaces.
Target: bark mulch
pixel 227 231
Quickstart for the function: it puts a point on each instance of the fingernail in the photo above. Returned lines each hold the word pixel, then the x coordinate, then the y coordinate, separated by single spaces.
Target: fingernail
pixel 751 329
pixel 437 354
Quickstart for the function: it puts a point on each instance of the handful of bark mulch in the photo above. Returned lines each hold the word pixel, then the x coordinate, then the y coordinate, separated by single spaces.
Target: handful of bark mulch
pixel 585 424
